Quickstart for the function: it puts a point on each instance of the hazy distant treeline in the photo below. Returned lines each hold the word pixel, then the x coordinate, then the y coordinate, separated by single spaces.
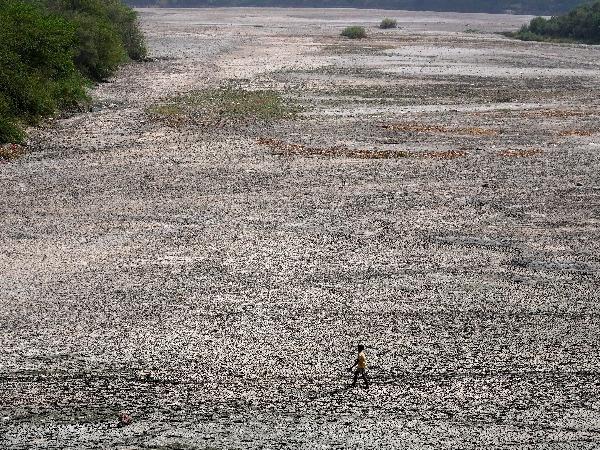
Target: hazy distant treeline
pixel 544 7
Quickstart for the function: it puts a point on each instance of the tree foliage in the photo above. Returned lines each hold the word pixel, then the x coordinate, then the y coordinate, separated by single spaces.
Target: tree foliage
pixel 51 49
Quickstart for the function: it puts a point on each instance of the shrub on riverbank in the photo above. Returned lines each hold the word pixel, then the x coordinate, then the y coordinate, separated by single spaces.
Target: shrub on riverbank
pixel 387 23
pixel 51 49
pixel 354 32
pixel 107 34
pixel 580 25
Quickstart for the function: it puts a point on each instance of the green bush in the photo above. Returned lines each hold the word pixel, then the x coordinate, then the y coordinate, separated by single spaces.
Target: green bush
pixel 107 34
pixel 581 25
pixel 126 22
pixel 388 23
pixel 99 49
pixel 51 49
pixel 37 72
pixel 354 32
pixel 10 128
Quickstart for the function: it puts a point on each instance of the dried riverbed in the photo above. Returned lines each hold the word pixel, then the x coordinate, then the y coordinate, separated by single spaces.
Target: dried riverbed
pixel 432 191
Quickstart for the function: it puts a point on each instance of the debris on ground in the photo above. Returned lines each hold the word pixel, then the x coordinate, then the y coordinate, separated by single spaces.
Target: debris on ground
pixel 124 420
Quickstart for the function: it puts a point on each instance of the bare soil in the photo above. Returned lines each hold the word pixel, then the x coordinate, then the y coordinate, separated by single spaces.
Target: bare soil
pixel 435 196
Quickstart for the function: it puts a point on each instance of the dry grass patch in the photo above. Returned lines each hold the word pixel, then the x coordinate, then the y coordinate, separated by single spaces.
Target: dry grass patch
pixel 413 127
pixel 441 154
pixel 520 153
pixel 289 149
pixel 354 32
pixel 221 107
pixel 166 110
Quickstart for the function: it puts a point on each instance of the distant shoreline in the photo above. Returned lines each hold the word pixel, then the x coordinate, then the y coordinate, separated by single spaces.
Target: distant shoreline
pixel 527 7
pixel 308 8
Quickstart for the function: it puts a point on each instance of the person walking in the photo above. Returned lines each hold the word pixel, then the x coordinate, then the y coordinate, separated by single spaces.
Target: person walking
pixel 361 366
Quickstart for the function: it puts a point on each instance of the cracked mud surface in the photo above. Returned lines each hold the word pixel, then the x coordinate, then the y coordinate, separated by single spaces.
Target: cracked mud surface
pixel 212 281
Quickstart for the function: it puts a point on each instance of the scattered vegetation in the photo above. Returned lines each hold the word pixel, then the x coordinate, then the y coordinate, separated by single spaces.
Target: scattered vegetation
pixel 221 106
pixel 52 49
pixel 166 110
pixel 582 24
pixel 388 23
pixel 354 32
